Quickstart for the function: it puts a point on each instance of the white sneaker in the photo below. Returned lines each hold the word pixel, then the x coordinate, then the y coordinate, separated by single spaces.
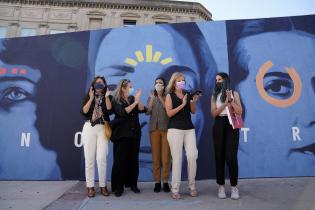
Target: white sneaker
pixel 221 192
pixel 235 193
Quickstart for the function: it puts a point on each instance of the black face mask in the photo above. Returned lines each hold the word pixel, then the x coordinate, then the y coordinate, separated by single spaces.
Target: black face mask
pixel 99 86
pixel 219 85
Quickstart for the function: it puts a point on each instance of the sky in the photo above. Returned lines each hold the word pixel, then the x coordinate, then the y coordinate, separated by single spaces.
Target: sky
pixel 247 9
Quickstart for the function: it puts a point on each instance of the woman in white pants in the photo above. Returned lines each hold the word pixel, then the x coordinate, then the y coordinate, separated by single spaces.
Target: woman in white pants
pixel 95 109
pixel 179 105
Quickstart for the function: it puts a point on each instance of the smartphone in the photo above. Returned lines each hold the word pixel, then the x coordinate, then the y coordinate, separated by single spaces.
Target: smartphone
pixel 197 92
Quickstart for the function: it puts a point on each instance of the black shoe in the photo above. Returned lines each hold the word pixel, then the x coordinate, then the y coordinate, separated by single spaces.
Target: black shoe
pixel 118 193
pixel 166 187
pixel 157 187
pixel 135 189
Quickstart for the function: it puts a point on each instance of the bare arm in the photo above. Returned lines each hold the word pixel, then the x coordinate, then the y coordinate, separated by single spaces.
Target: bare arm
pixel 150 104
pixel 215 111
pixel 142 108
pixel 107 100
pixel 193 104
pixel 108 103
pixel 169 107
pixel 87 105
pixel 131 107
pixel 135 103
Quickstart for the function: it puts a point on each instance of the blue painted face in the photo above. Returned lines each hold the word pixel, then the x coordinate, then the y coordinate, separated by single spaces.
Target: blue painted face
pixel 22 155
pixel 141 55
pixel 272 150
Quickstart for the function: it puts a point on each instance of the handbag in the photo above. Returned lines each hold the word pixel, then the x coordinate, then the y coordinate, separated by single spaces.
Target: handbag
pixel 235 120
pixel 108 130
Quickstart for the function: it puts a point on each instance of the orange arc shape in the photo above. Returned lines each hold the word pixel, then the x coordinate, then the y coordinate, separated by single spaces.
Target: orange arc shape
pixel 297 83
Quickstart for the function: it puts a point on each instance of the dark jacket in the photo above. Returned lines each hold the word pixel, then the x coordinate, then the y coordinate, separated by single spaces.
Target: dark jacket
pixel 88 115
pixel 125 125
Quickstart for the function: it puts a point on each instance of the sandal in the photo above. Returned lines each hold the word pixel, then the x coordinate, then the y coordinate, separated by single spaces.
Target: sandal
pixel 175 196
pixel 193 193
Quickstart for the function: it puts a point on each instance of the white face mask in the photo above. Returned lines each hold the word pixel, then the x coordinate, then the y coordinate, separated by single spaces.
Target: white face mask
pixel 159 87
pixel 131 91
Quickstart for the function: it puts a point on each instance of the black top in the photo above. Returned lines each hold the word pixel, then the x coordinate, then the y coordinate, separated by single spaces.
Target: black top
pixel 88 115
pixel 125 125
pixel 182 119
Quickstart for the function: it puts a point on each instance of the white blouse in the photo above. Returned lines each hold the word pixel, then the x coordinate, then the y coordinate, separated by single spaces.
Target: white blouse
pixel 219 103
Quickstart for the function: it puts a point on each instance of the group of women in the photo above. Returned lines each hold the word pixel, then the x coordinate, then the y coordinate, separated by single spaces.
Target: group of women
pixel 170 107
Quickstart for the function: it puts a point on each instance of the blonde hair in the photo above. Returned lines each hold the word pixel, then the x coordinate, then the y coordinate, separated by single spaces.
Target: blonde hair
pixel 118 92
pixel 171 84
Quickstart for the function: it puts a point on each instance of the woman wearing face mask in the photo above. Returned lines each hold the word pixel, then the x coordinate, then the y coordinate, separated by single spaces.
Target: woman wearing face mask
pixel 179 106
pixel 95 110
pixel 126 137
pixel 158 135
pixel 226 139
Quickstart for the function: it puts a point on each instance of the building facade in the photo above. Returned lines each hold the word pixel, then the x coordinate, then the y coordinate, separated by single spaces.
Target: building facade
pixel 39 17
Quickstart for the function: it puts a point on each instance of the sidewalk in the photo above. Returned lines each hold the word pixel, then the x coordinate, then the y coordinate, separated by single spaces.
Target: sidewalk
pixel 278 194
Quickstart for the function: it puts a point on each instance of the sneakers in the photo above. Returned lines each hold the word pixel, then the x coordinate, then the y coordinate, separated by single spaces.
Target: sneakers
pixel 221 192
pixel 235 195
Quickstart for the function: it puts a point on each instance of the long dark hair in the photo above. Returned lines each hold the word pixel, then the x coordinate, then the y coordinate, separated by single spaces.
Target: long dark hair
pixel 226 86
pixel 164 83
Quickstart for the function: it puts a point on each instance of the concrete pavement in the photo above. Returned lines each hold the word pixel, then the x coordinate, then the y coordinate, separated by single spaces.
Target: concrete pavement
pixel 258 194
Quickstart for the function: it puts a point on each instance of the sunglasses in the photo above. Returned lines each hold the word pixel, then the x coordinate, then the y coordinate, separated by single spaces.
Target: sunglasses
pixel 125 81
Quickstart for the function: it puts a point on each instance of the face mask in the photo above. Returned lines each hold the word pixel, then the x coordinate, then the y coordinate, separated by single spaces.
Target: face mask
pixel 180 85
pixel 99 86
pixel 159 87
pixel 131 91
pixel 219 85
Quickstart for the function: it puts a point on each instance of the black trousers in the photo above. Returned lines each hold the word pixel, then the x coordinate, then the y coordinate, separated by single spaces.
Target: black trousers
pixel 226 141
pixel 125 169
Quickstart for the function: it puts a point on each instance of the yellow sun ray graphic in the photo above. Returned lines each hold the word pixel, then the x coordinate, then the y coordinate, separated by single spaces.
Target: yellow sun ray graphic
pixel 148 56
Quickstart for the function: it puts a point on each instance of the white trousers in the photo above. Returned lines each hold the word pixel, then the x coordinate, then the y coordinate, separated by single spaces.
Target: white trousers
pixel 95 147
pixel 177 139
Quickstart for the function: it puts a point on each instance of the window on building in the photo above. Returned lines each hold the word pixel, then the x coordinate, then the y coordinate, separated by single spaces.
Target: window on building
pixel 56 31
pixel 3 32
pixel 28 32
pixel 95 23
pixel 130 23
pixel 160 22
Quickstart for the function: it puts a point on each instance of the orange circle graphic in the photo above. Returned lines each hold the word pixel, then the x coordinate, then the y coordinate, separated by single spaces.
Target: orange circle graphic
pixel 297 84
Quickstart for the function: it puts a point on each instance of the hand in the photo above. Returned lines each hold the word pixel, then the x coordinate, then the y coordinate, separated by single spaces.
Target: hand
pixel 184 100
pixel 138 96
pixel 162 99
pixel 108 93
pixel 195 98
pixel 151 94
pixel 226 101
pixel 91 93
pixel 140 106
pixel 229 95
